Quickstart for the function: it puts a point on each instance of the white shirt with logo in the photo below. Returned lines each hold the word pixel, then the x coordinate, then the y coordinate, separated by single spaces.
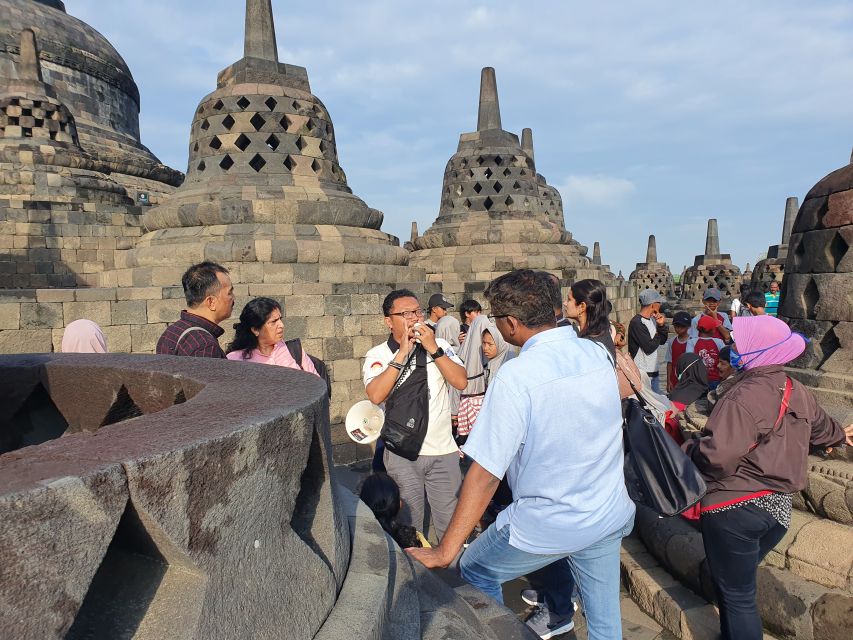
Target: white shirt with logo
pixel 439 438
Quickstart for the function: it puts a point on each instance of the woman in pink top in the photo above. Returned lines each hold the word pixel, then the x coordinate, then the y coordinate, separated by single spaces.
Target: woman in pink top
pixel 259 337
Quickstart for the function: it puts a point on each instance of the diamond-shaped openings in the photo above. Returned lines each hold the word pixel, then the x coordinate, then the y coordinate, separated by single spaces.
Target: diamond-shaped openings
pixel 226 162
pixel 271 103
pixel 257 121
pixel 257 163
pixel 215 142
pixel 498 187
pixel 498 160
pixel 811 295
pixel 289 163
pixel 165 581
pixel 272 142
pixel 470 173
pixel 201 166
pixel 243 102
pixel 295 105
pixel 218 106
pixel 480 161
pixel 316 166
pixel 323 146
pixel 466 203
pixel 285 123
pixel 310 126
pixel 507 172
pixel 205 125
pixel 509 201
pixel 242 142
pixel 487 173
pixel 478 187
pixel 36 421
pixel 123 408
pixel 488 203
pixel 228 122
pixel 516 185
pixel 837 249
pixel 300 143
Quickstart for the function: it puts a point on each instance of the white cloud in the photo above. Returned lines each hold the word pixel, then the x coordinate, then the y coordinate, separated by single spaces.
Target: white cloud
pixel 597 191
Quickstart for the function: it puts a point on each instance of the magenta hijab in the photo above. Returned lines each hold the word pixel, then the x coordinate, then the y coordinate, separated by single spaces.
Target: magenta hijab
pixel 765 340
pixel 83 336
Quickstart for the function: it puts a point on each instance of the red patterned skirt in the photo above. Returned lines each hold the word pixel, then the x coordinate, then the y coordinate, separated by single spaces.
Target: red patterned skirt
pixel 469 409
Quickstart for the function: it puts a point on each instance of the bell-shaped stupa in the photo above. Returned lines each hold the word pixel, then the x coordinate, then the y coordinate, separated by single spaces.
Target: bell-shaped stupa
pixel 711 269
pixel 497 213
pixel 263 181
pixel 652 274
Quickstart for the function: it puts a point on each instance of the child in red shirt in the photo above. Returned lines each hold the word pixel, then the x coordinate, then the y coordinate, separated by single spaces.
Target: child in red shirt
pixel 707 347
pixel 676 347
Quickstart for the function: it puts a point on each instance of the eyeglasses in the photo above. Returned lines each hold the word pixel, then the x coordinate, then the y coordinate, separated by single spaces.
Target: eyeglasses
pixel 409 315
pixel 492 316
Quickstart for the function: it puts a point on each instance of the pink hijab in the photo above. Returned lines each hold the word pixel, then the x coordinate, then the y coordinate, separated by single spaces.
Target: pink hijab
pixel 83 336
pixel 765 340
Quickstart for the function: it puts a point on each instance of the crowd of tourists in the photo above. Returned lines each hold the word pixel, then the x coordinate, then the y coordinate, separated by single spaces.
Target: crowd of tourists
pixel 508 426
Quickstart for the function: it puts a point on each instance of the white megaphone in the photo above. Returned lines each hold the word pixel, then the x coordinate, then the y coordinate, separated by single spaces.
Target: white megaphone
pixel 364 422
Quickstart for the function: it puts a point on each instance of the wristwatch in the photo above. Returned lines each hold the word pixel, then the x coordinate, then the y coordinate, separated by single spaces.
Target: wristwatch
pixel 438 353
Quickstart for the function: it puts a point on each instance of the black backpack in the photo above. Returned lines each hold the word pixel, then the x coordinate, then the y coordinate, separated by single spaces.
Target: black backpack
pixel 295 348
pixel 407 409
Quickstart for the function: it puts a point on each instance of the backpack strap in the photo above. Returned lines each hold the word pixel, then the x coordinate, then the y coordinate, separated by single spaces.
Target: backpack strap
pixel 190 330
pixel 295 348
pixel 783 408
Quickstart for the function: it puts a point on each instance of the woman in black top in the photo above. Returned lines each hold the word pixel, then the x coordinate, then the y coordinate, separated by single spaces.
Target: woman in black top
pixel 587 304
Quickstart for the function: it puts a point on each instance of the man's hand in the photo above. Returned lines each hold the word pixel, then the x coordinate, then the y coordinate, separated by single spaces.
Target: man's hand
pixel 434 558
pixel 660 319
pixel 462 337
pixel 848 431
pixel 427 337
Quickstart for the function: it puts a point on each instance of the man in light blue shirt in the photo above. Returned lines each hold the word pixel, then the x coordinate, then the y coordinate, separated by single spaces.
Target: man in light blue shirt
pixel 552 423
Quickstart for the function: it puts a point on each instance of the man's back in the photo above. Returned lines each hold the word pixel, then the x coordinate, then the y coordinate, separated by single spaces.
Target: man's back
pixel 552 422
pixel 192 335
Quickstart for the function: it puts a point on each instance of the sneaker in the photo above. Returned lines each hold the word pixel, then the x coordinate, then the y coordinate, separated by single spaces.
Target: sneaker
pixel 548 625
pixel 533 597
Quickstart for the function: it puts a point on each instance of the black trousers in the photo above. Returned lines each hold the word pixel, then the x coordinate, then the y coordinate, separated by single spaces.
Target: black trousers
pixel 558 583
pixel 736 541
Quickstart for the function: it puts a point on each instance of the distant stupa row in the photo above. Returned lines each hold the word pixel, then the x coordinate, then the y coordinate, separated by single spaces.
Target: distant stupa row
pixel 497 212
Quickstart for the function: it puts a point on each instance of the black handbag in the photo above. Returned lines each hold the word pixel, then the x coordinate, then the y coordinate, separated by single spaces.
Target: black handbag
pixel 658 473
pixel 407 409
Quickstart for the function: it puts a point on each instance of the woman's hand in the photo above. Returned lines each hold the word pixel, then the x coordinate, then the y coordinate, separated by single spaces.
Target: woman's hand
pixel 848 432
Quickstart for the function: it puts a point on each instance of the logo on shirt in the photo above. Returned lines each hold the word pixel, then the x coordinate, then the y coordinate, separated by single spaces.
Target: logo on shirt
pixel 376 365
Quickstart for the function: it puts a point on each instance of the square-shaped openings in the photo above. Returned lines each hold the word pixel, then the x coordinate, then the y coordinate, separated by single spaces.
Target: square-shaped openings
pixel 257 121
pixel 273 142
pixel 478 187
pixel 201 166
pixel 323 146
pixel 228 122
pixel 205 125
pixel 219 104
pixel 243 102
pixel 316 166
pixel 242 142
pixel 295 105
pixel 226 162
pixel 289 163
pixel 300 143
pixel 310 126
pixel 488 173
pixel 285 123
pixel 257 163
pixel 271 103
pixel 215 142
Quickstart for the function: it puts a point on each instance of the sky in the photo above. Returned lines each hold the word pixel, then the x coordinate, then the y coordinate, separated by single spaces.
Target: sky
pixel 649 117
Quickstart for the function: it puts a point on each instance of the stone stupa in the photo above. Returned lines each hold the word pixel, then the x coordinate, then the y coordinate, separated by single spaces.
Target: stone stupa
pixel 711 269
pixel 773 266
pixel 266 196
pixel 497 213
pixel 652 274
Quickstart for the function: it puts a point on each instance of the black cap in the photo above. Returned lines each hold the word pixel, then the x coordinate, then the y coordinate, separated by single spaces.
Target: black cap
pixel 682 319
pixel 438 300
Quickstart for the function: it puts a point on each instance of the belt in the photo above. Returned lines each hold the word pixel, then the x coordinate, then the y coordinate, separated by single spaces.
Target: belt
pixel 652 374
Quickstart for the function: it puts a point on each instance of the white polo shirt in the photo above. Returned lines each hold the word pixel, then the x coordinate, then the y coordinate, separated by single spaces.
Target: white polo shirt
pixel 439 438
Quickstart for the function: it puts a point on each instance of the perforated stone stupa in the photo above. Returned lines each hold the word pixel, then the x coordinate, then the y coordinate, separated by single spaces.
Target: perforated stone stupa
pixel 773 266
pixel 817 291
pixel 652 274
pixel 712 269
pixel 497 213
pixel 64 205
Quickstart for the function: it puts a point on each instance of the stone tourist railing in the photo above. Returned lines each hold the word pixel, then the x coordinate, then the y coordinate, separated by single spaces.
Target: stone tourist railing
pixel 168 498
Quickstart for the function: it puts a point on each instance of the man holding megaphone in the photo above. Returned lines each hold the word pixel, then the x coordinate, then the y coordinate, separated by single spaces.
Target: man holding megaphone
pixel 410 373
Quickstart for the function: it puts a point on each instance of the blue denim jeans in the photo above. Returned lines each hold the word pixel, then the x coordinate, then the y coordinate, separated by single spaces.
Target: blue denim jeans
pixel 491 560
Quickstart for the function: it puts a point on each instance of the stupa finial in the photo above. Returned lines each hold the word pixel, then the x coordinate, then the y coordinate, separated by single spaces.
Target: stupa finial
pixel 712 240
pixel 260 31
pixel 652 250
pixel 596 253
pixel 489 116
pixel 792 206
pixel 527 142
pixel 29 67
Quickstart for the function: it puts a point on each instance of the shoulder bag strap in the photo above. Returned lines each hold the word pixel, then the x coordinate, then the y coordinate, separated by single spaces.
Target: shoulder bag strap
pixel 190 330
pixel 295 348
pixel 783 408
